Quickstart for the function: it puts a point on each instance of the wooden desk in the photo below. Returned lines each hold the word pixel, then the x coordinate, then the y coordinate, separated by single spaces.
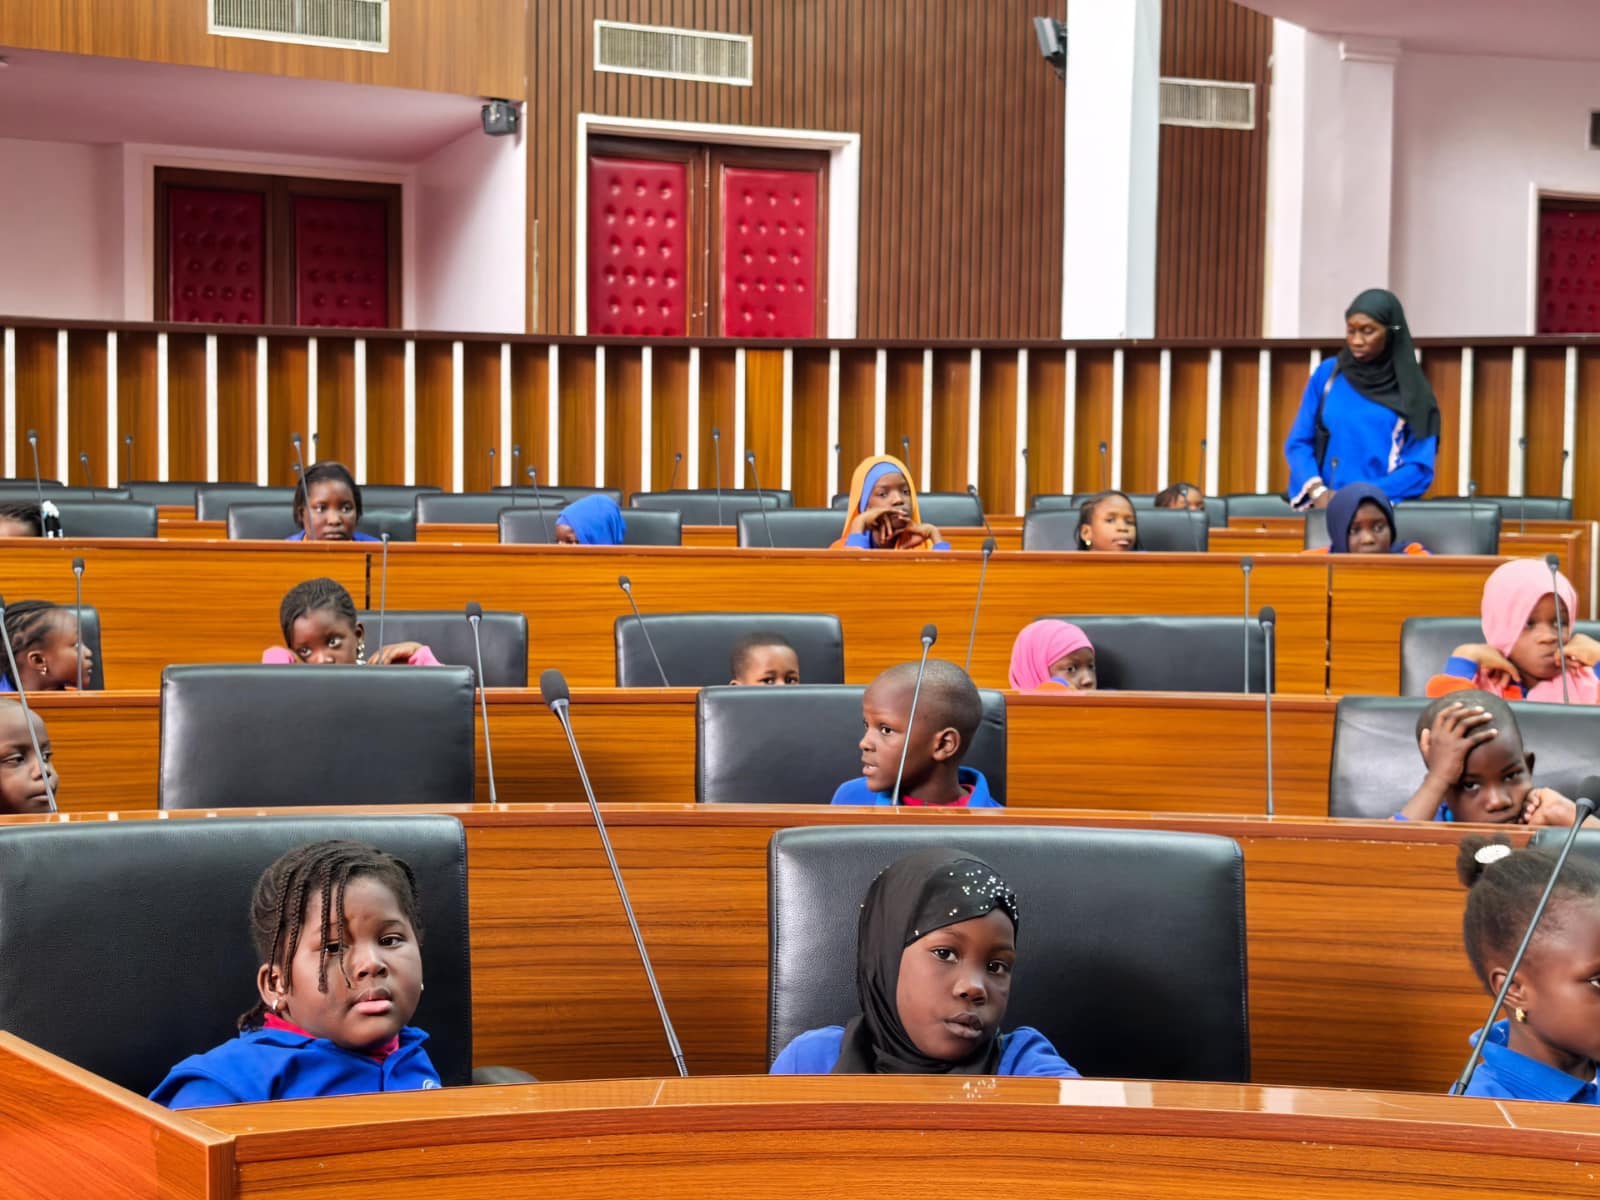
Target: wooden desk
pixel 1130 750
pixel 788 1137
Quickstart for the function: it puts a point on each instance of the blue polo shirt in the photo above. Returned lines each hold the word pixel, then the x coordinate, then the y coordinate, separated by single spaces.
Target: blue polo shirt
pixel 1023 1051
pixel 856 791
pixel 1506 1075
pixel 357 536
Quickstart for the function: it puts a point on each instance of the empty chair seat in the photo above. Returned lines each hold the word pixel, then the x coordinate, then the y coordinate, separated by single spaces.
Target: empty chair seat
pixel 1160 529
pixel 212 501
pixel 793 528
pixel 399 523
pixel 107 519
pixel 701 507
pixel 796 745
pixel 558 496
pixel 159 492
pixel 474 508
pixel 394 495
pixel 695 648
pixel 1442 528
pixel 1156 920
pixel 1426 643
pixel 449 635
pixel 1259 504
pixel 26 493
pixel 1175 653
pixel 1513 508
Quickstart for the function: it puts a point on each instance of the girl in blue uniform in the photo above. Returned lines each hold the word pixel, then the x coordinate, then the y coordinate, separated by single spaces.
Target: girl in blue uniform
pixel 592 521
pixel 1368 415
pixel 337 931
pixel 935 951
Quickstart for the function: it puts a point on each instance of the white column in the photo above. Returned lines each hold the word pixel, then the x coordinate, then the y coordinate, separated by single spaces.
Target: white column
pixel 1112 156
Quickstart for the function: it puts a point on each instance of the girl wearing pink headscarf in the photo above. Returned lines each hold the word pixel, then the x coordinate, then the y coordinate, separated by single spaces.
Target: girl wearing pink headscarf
pixel 1052 656
pixel 1521 656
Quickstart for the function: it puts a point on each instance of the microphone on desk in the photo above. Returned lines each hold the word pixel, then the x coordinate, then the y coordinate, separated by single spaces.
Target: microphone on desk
pixel 677 461
pixel 972 490
pixel 50 521
pixel 553 687
pixel 761 497
pixel 1269 618
pixel 1104 473
pixel 474 619
pixel 1246 565
pixel 716 454
pixel 1585 805
pixel 88 475
pixel 930 634
pixel 516 470
pixel 27 711
pixel 1554 563
pixel 626 585
pixel 983 572
pixel 77 578
pixel 383 587
pixel 538 503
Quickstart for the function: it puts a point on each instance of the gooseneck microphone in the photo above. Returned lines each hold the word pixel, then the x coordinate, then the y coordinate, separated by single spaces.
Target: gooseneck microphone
pixel 1269 619
pixel 538 503
pixel 88 475
pixel 50 522
pixel 77 579
pixel 761 497
pixel 972 490
pixel 127 444
pixel 905 450
pixel 983 573
pixel 300 470
pixel 491 466
pixel 553 687
pixel 1554 563
pixel 1246 565
pixel 315 448
pixel 930 635
pixel 677 461
pixel 27 710
pixel 1104 473
pixel 383 587
pixel 474 619
pixel 626 585
pixel 716 454
pixel 1584 804
pixel 1522 509
pixel 516 470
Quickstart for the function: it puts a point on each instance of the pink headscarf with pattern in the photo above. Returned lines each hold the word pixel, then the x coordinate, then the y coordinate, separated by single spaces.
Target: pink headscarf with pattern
pixel 1509 595
pixel 1039 645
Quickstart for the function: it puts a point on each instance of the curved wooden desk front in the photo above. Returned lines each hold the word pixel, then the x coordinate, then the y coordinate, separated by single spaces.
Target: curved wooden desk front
pixel 65 1132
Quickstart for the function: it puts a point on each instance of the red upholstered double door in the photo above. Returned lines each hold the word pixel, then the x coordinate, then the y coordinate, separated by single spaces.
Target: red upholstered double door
pixel 276 250
pixel 1569 266
pixel 699 240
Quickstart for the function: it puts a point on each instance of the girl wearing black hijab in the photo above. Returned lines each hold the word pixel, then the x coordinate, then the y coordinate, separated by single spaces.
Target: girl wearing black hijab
pixel 935 950
pixel 1368 415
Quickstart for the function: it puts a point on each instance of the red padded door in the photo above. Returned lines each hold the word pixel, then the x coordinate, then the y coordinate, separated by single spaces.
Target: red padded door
pixel 769 252
pixel 1569 269
pixel 216 260
pixel 341 262
pixel 638 247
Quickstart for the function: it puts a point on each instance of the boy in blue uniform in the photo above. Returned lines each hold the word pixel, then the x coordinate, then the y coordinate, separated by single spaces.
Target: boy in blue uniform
pixel 947 717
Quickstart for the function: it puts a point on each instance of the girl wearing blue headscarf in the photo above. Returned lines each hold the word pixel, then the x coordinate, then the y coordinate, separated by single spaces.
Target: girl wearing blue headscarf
pixel 1361 521
pixel 592 521
pixel 883 512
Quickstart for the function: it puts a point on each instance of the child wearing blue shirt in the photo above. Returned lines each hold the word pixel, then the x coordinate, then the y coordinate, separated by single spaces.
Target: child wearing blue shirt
pixel 1549 1048
pixel 336 928
pixel 935 952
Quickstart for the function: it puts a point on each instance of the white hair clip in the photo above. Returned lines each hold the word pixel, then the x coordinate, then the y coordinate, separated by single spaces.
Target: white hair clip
pixel 1491 853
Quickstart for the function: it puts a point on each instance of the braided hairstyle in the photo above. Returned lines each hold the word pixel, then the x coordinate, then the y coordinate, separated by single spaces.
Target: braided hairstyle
pixel 312 596
pixel 29 624
pixel 1087 509
pixel 24 514
pixel 323 472
pixel 1504 892
pixel 278 905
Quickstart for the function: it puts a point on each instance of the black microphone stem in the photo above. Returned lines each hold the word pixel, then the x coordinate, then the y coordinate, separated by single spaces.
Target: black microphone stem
pixel 716 451
pixel 1246 565
pixel 905 743
pixel 538 503
pixel 383 588
pixel 761 497
pixel 516 470
pixel 983 571
pixel 1554 563
pixel 77 575
pixel 627 590
pixel 474 617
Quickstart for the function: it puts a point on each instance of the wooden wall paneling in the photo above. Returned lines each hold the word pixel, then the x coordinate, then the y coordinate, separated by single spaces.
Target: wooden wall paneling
pixel 36 402
pixel 952 382
pixel 1290 371
pixel 530 407
pixel 136 406
pixel 811 452
pixel 718 385
pixel 236 408
pixel 286 407
pixel 1186 418
pixel 481 417
pixel 858 375
pixel 186 406
pixel 624 434
pixel 903 408
pixel 1586 453
pixel 1442 366
pixel 1545 417
pixel 1492 444
pixel 997 431
pixel 386 415
pixel 336 400
pixel 435 370
pixel 1096 372
pixel 1236 456
pixel 669 417
pixel 575 403
pixel 86 405
pixel 1047 404
pixel 763 416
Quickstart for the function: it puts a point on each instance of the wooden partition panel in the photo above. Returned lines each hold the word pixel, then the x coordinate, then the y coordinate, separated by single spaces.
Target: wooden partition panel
pixel 86 416
pixel 1444 375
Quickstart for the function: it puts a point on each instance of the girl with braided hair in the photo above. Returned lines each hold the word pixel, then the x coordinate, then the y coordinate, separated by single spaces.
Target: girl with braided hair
pixel 44 640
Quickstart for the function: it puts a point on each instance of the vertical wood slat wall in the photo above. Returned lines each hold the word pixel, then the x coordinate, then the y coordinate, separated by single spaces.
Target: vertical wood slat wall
pixel 962 145
pixel 1014 418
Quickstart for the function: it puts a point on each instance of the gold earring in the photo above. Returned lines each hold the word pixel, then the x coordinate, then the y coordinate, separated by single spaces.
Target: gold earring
pixel 1521 1014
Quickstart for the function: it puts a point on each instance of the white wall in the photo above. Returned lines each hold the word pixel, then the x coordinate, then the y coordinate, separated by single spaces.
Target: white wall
pixel 60 230
pixel 1474 138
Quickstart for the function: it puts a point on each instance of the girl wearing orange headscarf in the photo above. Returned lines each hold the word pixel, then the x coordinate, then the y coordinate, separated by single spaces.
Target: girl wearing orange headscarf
pixel 883 510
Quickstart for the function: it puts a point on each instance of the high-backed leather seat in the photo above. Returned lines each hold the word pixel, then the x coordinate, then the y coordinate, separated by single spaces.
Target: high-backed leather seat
pixel 1514 508
pixel 274 522
pixel 1259 504
pixel 640 527
pixel 796 745
pixel 476 508
pixel 1426 643
pixel 695 647
pixel 1160 529
pixel 449 635
pixel 237 736
pixel 106 518
pixel 958 510
pixel 1130 944
pixel 212 500
pixel 794 528
pixel 1216 507
pixel 168 491
pixel 1376 765
pixel 395 495
pixel 1175 653
pixel 127 944
pixel 560 496
pixel 24 492
pixel 701 506
pixel 1442 528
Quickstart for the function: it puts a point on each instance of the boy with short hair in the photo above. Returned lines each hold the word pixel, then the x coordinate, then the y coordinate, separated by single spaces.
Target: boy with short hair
pixel 947 718
pixel 764 659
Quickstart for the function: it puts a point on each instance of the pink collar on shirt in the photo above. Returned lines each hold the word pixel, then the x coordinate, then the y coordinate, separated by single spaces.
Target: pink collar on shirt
pixel 273 1021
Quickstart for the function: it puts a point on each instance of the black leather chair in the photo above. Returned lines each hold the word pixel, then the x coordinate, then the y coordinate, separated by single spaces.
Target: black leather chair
pixel 280 736
pixel 695 647
pixel 1175 653
pixel 107 519
pixel 702 507
pixel 103 926
pixel 504 636
pixel 394 495
pixel 560 496
pixel 640 527
pixel 792 528
pixel 10 483
pixel 399 523
pixel 158 492
pixel 796 745
pixel 1258 504
pixel 26 493
pixel 212 500
pixel 1160 529
pixel 475 508
pixel 1376 764
pixel 1216 506
pixel 1442 528
pixel 1514 508
pixel 275 522
pixel 958 510
pixel 1131 944
pixel 1426 642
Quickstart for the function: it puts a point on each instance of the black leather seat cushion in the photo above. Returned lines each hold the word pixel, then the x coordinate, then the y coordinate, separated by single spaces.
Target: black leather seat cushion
pixel 175 492
pixel 1131 945
pixel 212 500
pixel 1376 764
pixel 1514 508
pixel 1426 642
pixel 702 507
pixel 127 944
pixel 640 527
pixel 395 495
pixel 106 519
pixel 695 647
pixel 796 745
pixel 449 635
pixel 1160 529
pixel 476 508
pixel 275 522
pixel 794 528
pixel 282 736
pixel 24 492
pixel 1258 504
pixel 1442 528
pixel 1175 653
pixel 559 496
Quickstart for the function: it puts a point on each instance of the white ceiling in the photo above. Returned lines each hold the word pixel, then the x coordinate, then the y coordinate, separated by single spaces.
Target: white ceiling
pixel 78 98
pixel 1567 29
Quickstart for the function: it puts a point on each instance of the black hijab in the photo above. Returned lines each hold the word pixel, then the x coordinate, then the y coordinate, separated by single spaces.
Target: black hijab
pixel 1392 379
pixel 922 892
